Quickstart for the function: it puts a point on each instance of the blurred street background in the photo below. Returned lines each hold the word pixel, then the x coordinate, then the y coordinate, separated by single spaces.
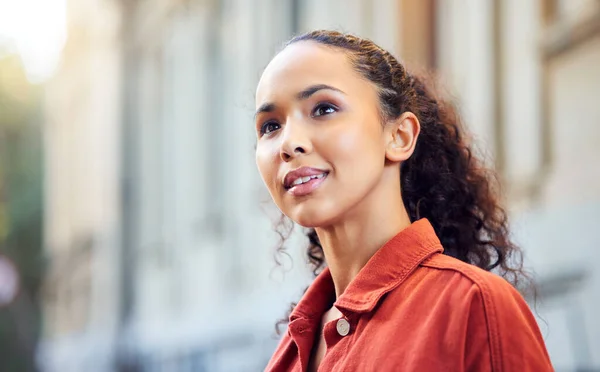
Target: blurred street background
pixel 135 232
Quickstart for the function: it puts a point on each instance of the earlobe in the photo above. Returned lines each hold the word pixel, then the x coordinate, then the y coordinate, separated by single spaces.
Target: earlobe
pixel 402 135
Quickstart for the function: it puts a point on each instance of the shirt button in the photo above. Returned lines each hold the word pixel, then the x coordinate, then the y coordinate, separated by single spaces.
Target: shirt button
pixel 343 327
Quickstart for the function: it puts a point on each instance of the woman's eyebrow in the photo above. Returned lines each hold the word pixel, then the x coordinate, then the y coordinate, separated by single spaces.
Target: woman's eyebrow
pixel 304 94
pixel 265 107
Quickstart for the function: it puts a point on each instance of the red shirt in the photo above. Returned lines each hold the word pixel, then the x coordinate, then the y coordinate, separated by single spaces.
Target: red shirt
pixel 412 308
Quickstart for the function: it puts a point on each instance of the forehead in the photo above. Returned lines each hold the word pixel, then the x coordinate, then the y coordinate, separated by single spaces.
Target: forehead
pixel 303 64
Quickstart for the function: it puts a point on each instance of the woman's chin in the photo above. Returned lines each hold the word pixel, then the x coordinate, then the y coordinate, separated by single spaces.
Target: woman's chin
pixel 313 213
pixel 308 223
pixel 311 219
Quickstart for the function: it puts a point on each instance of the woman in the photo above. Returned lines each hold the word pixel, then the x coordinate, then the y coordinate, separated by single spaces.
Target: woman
pixel 360 151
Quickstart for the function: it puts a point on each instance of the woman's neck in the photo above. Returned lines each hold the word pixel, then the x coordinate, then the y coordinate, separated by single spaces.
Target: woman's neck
pixel 349 244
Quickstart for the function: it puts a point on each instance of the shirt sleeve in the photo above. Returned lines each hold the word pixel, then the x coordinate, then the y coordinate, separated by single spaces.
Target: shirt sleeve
pixel 502 333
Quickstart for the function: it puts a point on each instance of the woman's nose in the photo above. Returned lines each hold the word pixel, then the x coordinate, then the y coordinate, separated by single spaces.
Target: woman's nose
pixel 295 141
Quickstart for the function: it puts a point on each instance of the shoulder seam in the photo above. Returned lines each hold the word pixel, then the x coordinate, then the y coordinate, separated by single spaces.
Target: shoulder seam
pixel 489 307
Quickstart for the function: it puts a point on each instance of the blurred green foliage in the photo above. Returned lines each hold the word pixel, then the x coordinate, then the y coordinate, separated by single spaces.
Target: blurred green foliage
pixel 21 189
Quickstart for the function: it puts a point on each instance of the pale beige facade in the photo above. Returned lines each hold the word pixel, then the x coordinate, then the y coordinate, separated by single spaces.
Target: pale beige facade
pixel 82 192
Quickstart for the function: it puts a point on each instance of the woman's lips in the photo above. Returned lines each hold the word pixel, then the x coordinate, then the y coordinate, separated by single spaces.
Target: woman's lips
pixel 309 186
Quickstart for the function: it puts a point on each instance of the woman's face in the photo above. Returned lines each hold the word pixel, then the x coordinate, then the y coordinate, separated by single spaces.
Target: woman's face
pixel 321 143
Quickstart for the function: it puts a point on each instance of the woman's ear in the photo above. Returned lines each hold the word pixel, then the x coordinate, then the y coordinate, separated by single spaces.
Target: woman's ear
pixel 401 137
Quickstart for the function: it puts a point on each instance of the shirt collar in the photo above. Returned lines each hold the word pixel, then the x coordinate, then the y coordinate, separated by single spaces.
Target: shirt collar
pixel 386 270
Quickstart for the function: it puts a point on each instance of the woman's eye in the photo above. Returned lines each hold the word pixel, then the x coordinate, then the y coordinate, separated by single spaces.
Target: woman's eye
pixel 269 127
pixel 324 109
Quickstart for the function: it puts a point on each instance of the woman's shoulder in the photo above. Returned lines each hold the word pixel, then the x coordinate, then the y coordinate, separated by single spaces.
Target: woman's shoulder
pixel 490 285
pixel 495 293
pixel 497 313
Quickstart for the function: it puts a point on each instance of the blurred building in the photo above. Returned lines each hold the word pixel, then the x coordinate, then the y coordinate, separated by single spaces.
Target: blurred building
pixel 158 226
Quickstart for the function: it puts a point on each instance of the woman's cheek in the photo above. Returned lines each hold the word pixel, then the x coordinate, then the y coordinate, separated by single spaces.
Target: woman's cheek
pixel 267 165
pixel 357 155
pixel 345 145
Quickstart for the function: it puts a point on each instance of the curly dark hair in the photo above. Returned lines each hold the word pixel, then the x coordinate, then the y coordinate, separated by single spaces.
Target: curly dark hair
pixel 443 180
